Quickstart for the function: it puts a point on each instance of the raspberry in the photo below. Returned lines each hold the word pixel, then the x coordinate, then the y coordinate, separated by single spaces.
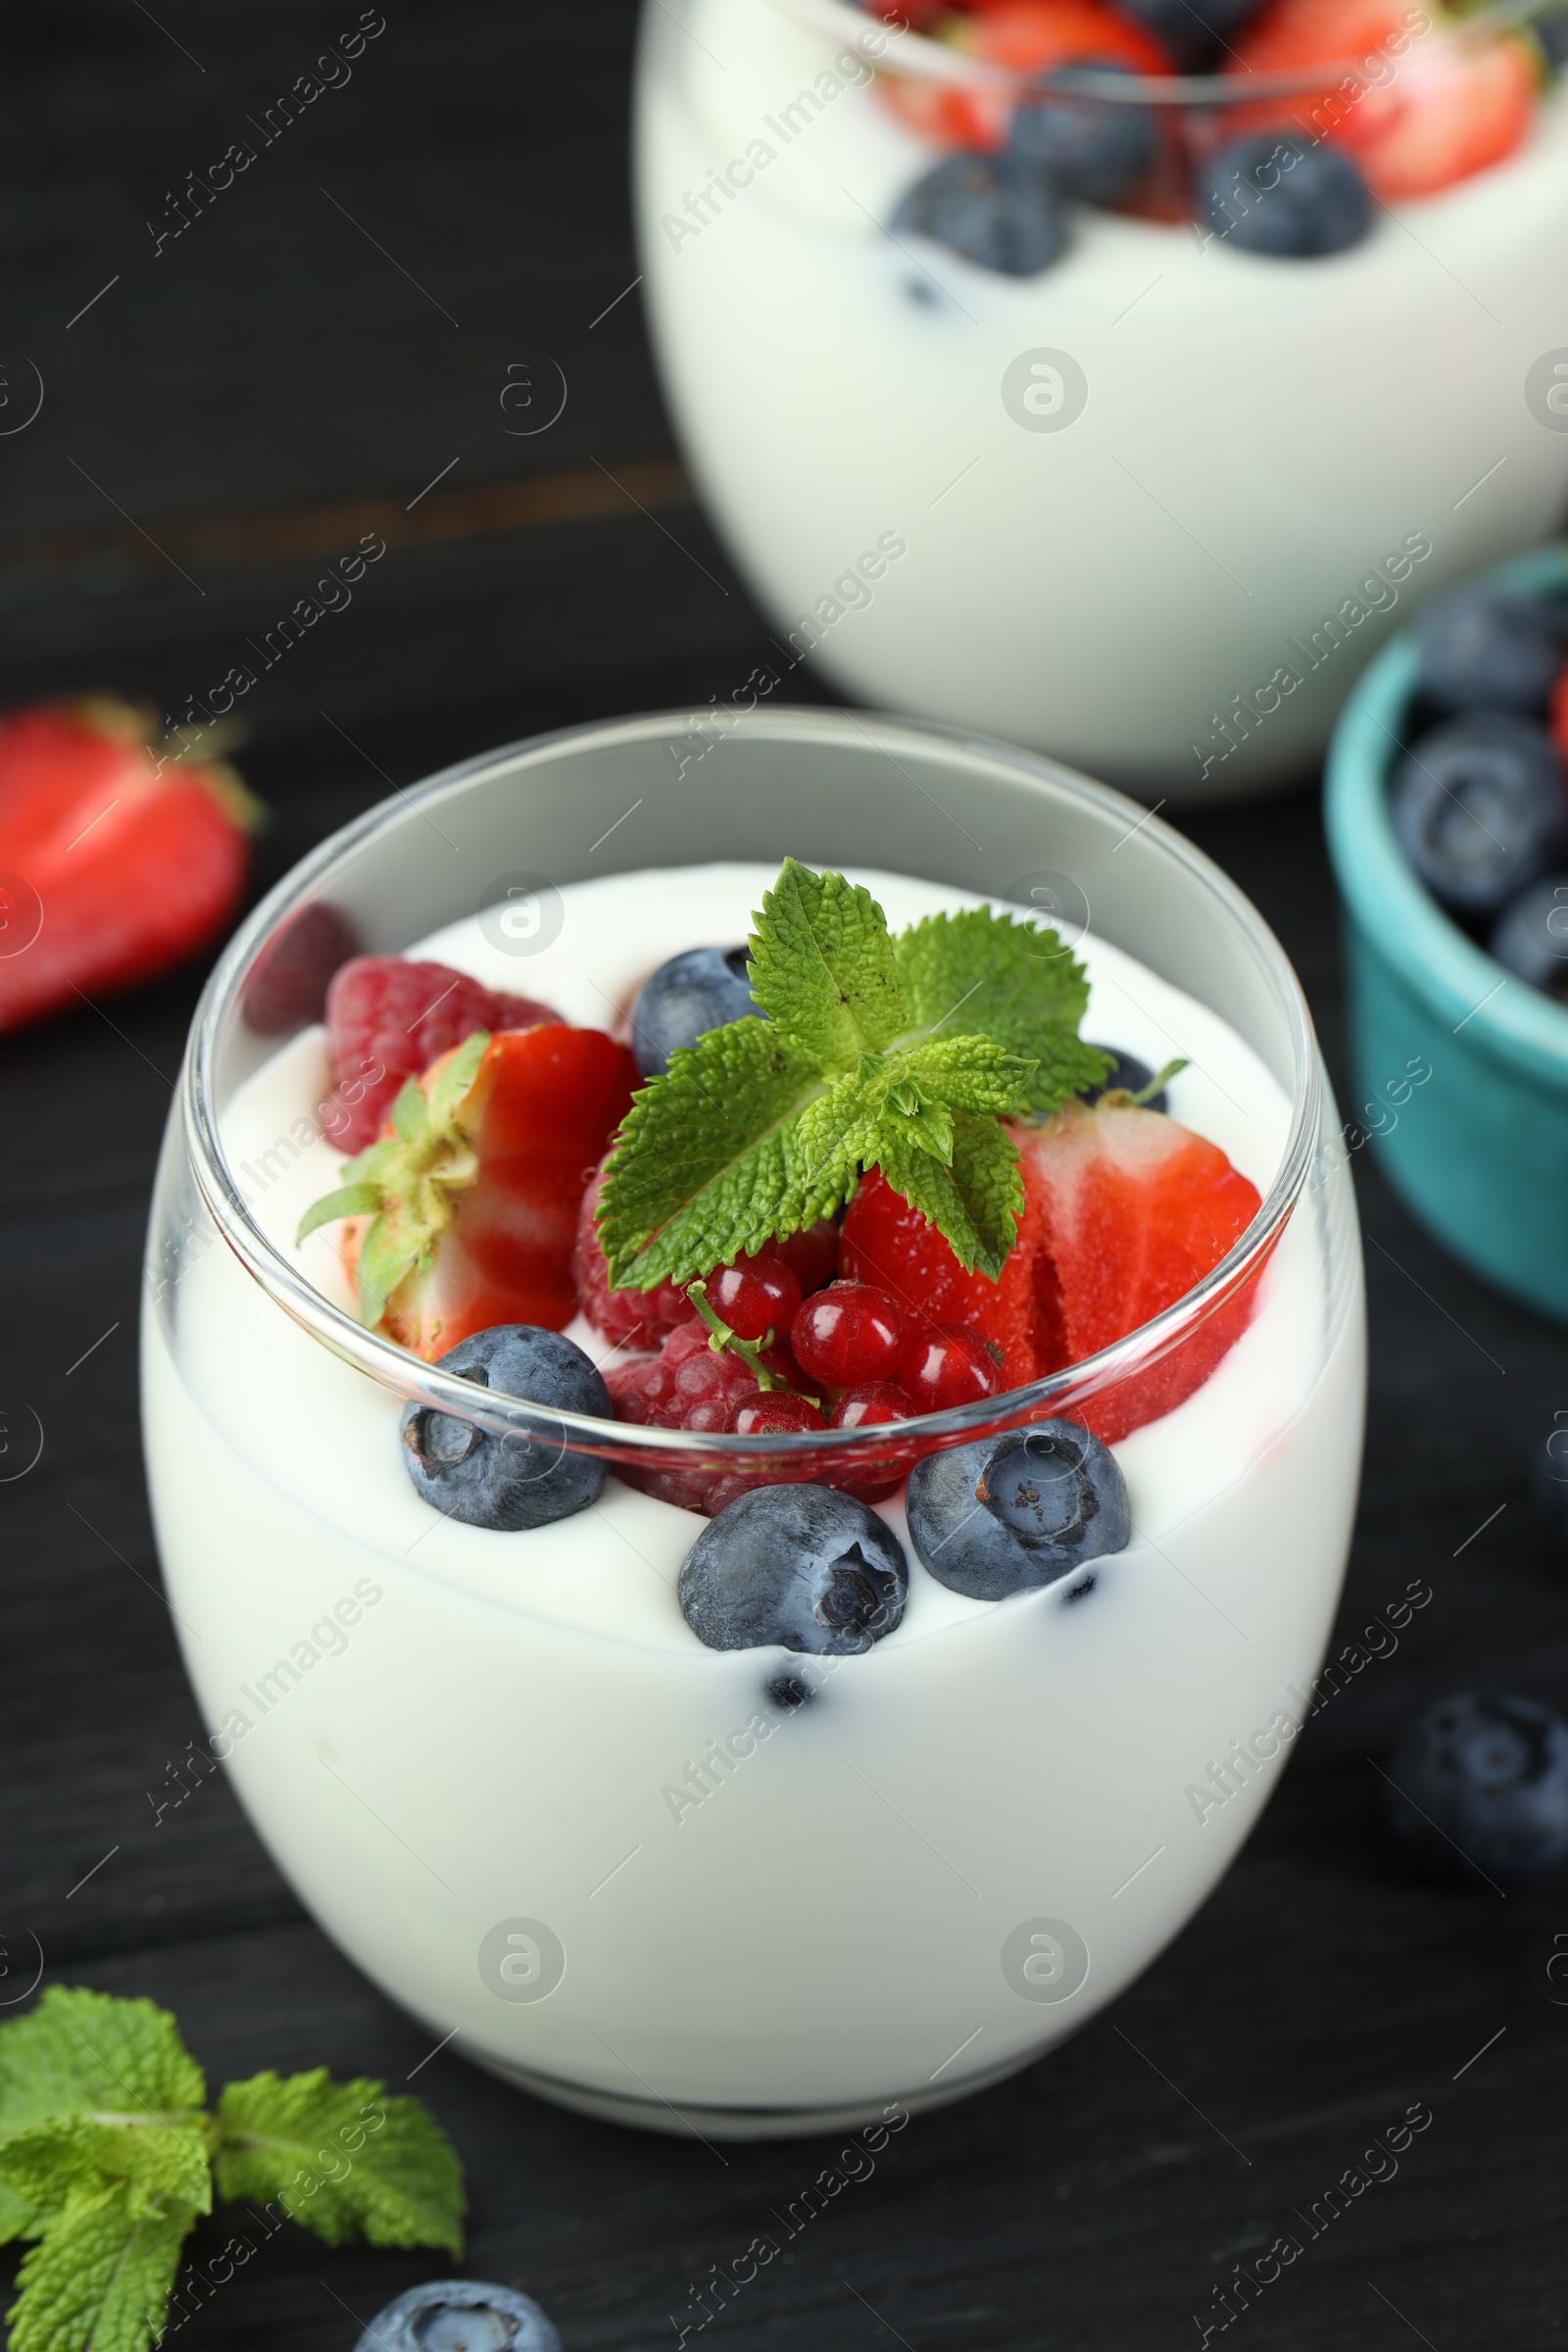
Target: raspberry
pixel 387 1015
pixel 948 1365
pixel 850 1334
pixel 636 1318
pixel 691 1385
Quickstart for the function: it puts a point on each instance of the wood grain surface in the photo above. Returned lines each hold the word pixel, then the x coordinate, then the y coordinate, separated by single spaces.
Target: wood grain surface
pixel 227 413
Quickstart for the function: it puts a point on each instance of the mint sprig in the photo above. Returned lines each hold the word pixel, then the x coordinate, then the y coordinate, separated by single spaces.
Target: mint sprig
pixel 903 1055
pixel 108 2156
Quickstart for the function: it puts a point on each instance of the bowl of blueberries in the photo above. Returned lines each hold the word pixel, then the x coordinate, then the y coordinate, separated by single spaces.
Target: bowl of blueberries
pixel 1446 810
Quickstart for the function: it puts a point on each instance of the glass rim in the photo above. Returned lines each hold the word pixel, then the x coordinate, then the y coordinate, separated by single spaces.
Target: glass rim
pixel 427 1386
pixel 920 58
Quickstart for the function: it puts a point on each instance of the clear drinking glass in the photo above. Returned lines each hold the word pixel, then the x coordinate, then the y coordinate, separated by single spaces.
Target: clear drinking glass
pixel 632 1874
pixel 1149 507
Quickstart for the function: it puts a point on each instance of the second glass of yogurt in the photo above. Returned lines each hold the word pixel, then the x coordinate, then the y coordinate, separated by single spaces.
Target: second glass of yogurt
pixel 1149 501
pixel 743 1891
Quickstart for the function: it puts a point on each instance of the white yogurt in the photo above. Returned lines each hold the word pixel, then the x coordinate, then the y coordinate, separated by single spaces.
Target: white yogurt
pixel 494 1730
pixel 1260 436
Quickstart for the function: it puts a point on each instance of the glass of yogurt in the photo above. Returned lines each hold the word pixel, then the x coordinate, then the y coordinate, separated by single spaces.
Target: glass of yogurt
pixel 1143 484
pixel 743 1891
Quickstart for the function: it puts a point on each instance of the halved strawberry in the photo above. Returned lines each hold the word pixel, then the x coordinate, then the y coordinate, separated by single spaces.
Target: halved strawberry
pixel 114 866
pixel 1026 37
pixel 1124 1212
pixel 464 1213
pixel 1425 115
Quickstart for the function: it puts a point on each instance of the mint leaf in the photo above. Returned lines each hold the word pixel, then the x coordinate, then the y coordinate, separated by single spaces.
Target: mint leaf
pixel 976 1200
pixel 823 967
pixel 341 2159
pixel 710 1160
pixel 79 2050
pixel 980 971
pixel 101 2276
pixel 159 2161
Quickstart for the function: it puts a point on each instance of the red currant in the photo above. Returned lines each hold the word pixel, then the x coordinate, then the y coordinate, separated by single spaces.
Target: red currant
pixel 813 1252
pixel 945 1365
pixel 848 1334
pixel 872 1406
pixel 775 1409
pixel 755 1296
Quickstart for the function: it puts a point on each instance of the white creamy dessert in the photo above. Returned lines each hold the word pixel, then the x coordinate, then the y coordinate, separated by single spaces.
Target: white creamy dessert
pixel 1177 583
pixel 510 1782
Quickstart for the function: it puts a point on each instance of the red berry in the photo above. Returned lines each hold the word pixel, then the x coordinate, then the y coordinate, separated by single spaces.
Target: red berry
pixel 873 1406
pixel 288 981
pixel 813 1252
pixel 848 1334
pixel 774 1409
pixel 389 1019
pixel 946 1366
pixel 755 1296
pixel 635 1318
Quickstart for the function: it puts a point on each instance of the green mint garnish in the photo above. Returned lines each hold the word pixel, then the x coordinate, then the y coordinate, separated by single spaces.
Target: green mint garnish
pixel 108 2154
pixel 903 1055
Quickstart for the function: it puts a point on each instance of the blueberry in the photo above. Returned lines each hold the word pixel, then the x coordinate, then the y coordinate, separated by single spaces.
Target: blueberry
pixel 1191 33
pixel 1487 650
pixel 1479 1787
pixel 802 1566
pixel 1092 148
pixel 997 211
pixel 1272 194
pixel 1531 937
pixel 692 992
pixel 1551 31
pixel 460 2315
pixel 1131 1075
pixel 1011 1513
pixel 1480 809
pixel 510 1482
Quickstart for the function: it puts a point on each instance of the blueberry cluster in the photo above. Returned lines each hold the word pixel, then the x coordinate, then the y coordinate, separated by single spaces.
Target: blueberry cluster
pixel 1479 798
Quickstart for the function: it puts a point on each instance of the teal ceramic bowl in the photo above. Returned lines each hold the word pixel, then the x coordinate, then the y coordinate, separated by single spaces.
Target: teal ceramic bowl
pixel 1478 1149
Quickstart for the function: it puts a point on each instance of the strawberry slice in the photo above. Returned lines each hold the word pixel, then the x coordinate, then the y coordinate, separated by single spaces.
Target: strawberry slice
pixel 464 1215
pixel 1124 1212
pixel 1427 117
pixel 1027 36
pixel 113 866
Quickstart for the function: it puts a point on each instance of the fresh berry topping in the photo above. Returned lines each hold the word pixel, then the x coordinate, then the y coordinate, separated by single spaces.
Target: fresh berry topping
pixel 1007 1514
pixel 948 1366
pixel 875 1405
pixel 1486 649
pixel 1087 147
pixel 386 1015
pixel 1028 37
pixel 1531 937
pixel 888 1243
pixel 1192 36
pixel 996 211
pixel 1463 115
pixel 510 1481
pixel 779 1409
pixel 634 1318
pixel 701 989
pixel 1480 809
pixel 688 1385
pixel 117 865
pixel 1272 193
pixel 813 1252
pixel 879 1405
pixel 460 2315
pixel 473 1197
pixel 848 1334
pixel 1131 1210
pixel 1129 1076
pixel 802 1566
pixel 1480 1789
pixel 287 983
pixel 756 1295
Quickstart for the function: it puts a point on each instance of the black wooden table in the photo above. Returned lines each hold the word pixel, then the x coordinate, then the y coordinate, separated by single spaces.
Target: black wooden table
pixel 324 350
